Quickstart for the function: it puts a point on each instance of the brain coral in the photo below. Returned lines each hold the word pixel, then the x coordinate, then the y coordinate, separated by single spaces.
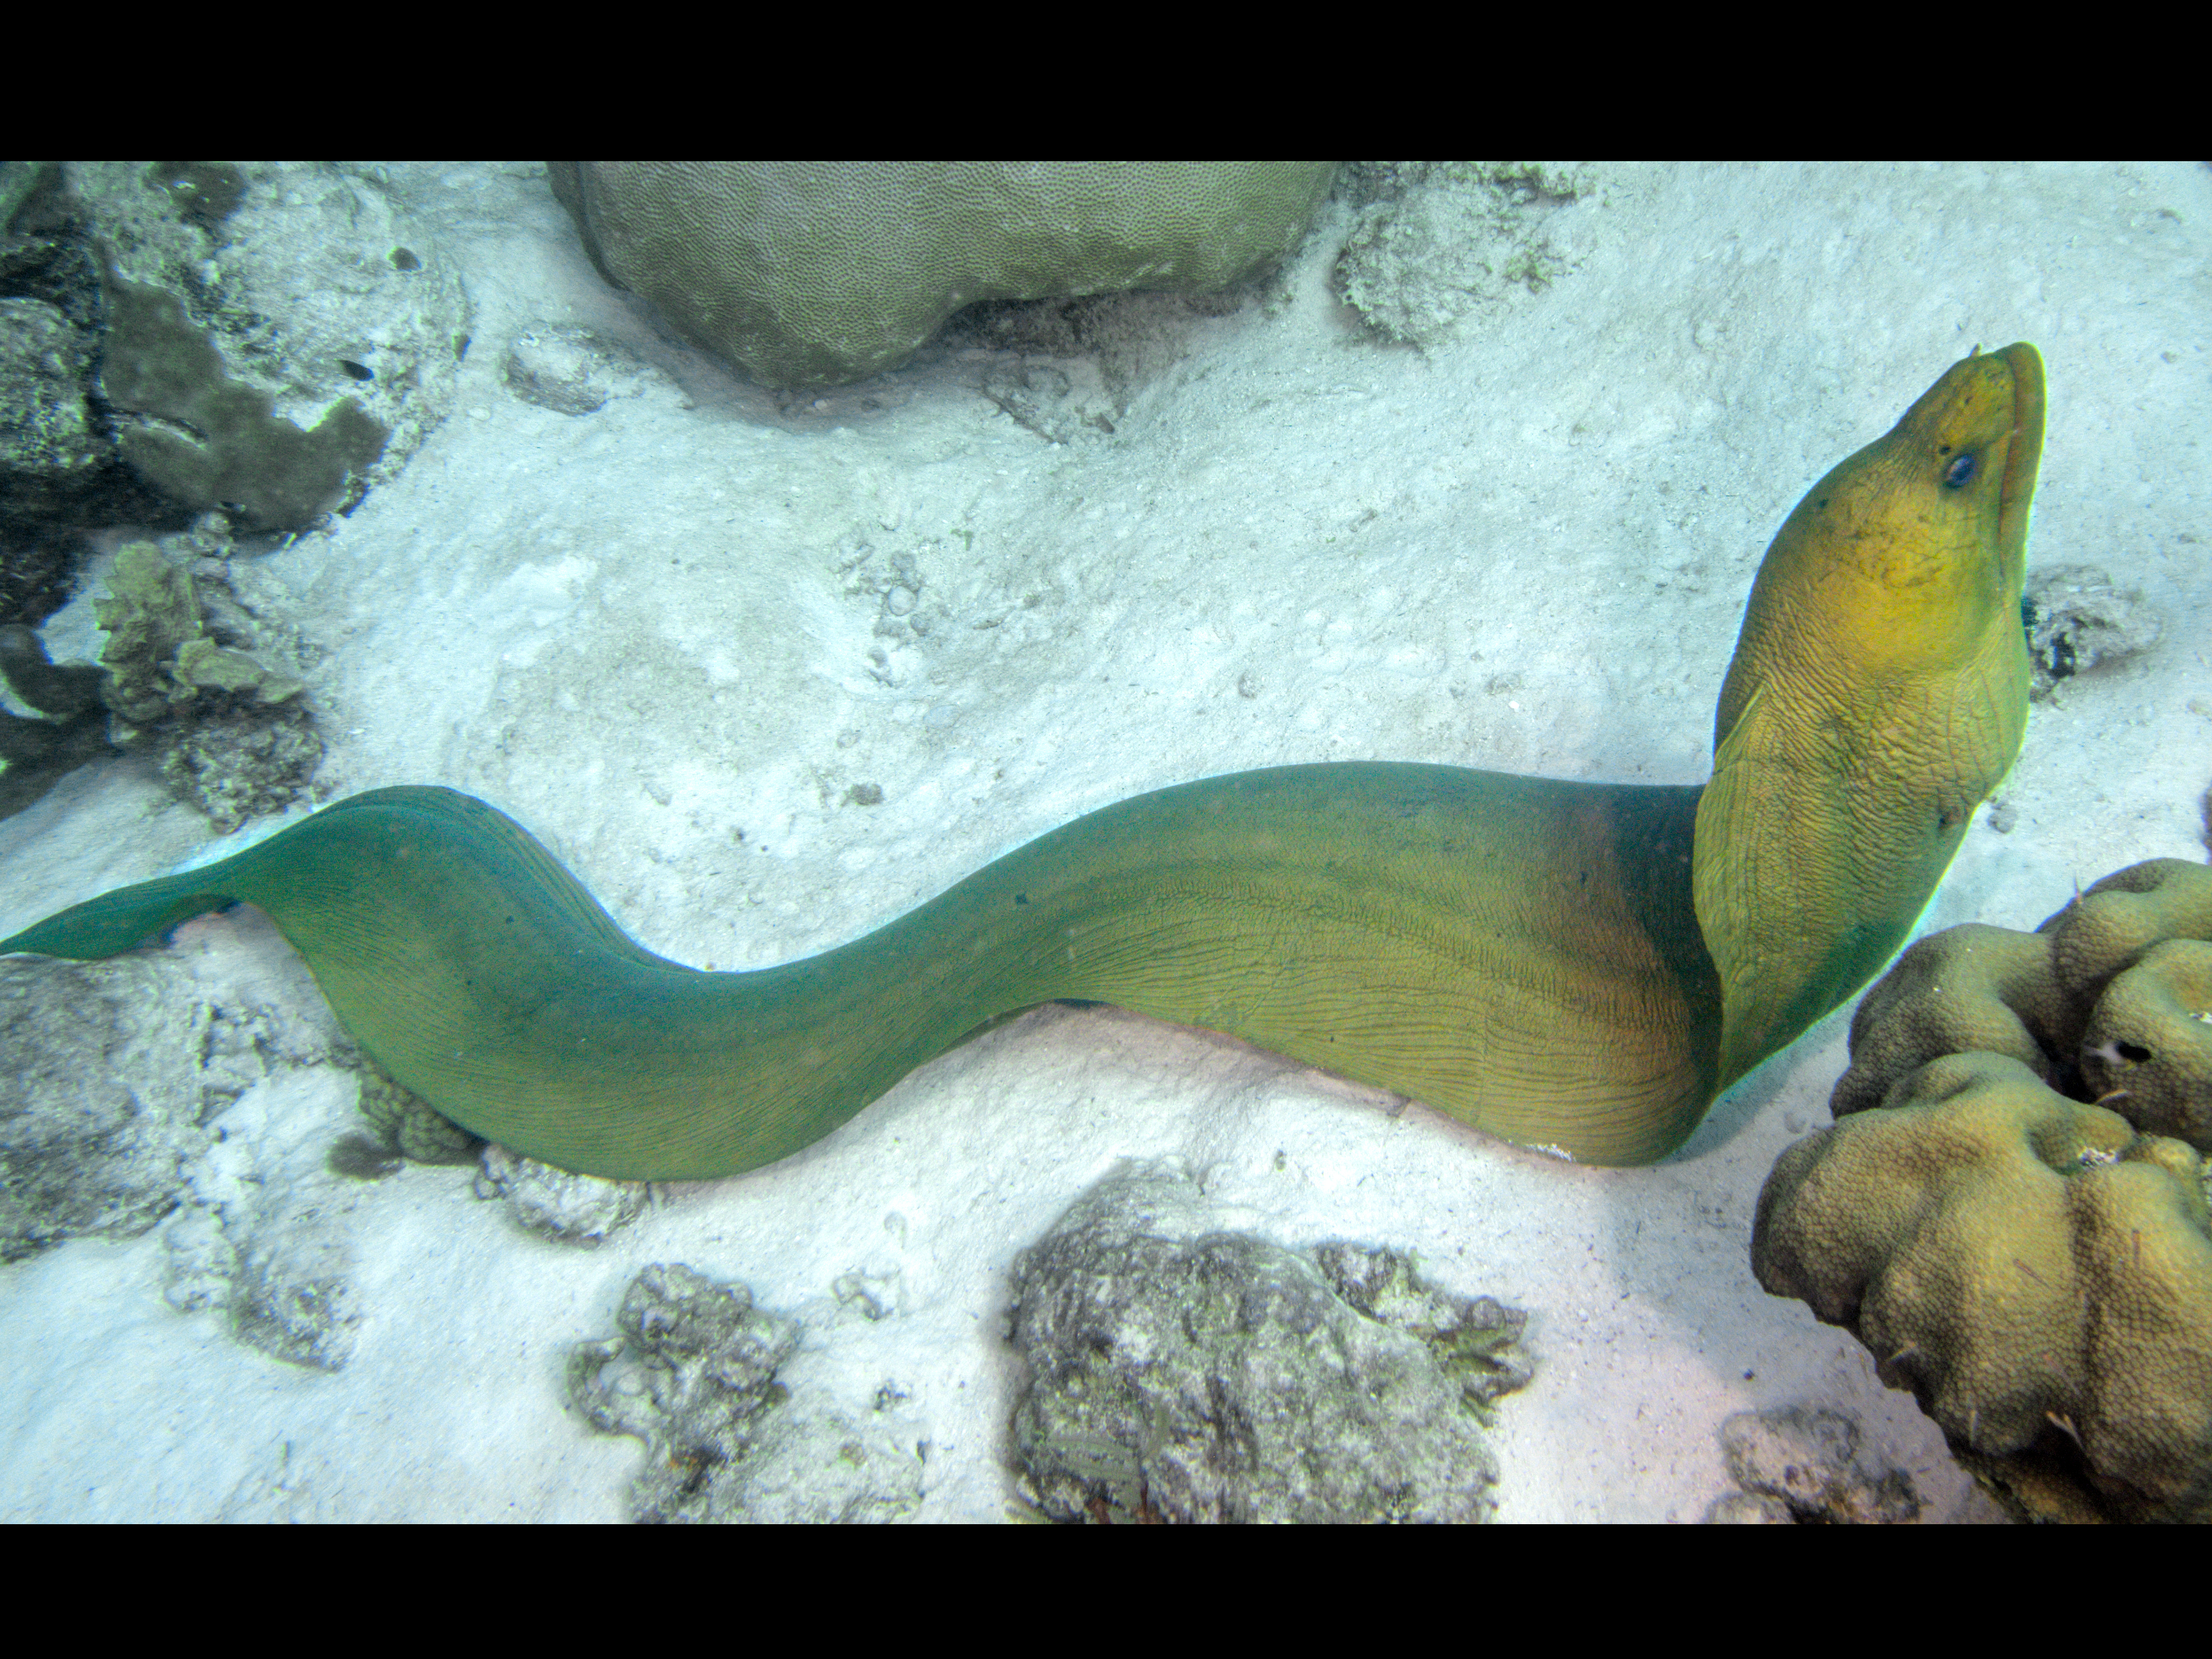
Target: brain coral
pixel 2010 1211
pixel 816 273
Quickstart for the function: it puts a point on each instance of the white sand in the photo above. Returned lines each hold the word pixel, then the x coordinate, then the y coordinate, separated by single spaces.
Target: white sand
pixel 1526 550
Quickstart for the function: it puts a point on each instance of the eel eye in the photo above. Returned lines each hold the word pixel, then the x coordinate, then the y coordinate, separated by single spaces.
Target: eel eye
pixel 1961 469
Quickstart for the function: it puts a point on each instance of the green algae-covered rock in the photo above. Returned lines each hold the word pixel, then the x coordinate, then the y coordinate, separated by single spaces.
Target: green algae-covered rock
pixel 270 338
pixel 819 273
pixel 2035 1271
pixel 158 655
pixel 2110 999
pixel 241 455
pixel 1970 989
pixel 2149 1045
pixel 2010 1212
pixel 232 735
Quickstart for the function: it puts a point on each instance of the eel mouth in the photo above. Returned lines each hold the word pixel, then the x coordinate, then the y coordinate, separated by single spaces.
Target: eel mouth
pixel 2023 454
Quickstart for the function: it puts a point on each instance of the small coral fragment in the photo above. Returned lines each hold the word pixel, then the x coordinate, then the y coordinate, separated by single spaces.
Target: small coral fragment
pixel 1438 243
pixel 694 1375
pixel 1801 1464
pixel 159 656
pixel 233 734
pixel 406 1124
pixel 556 1203
pixel 2078 619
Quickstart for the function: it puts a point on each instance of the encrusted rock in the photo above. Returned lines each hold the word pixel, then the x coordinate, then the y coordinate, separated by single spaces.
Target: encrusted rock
pixel 694 1375
pixel 2078 619
pixel 571 1209
pixel 1802 1463
pixel 1182 1372
pixel 102 1109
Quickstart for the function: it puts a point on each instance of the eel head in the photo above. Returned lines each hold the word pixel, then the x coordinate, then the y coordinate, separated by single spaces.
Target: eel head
pixel 1879 692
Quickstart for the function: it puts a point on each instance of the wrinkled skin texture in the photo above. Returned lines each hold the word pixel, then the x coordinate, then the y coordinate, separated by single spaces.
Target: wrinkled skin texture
pixel 1878 694
pixel 1528 955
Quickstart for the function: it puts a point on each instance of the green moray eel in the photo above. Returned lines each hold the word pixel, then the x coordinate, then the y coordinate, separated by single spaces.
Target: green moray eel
pixel 1575 966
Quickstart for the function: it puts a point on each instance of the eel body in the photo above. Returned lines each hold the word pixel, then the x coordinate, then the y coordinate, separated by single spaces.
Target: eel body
pixel 1577 966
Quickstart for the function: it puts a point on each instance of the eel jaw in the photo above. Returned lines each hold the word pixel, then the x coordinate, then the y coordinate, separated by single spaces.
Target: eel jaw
pixel 2023 459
